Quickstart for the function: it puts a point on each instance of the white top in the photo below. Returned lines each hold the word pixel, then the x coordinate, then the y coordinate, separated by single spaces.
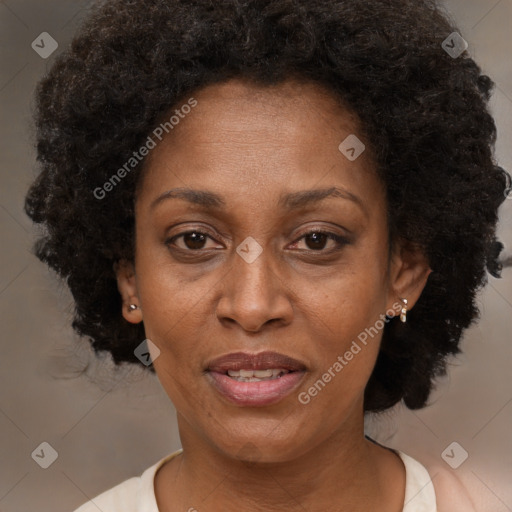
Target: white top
pixel 137 494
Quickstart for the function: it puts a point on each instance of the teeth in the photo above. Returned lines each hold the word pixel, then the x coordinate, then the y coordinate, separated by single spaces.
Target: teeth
pixel 260 374
pixel 256 375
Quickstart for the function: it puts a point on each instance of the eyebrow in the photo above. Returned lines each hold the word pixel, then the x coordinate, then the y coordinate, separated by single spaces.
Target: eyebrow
pixel 290 201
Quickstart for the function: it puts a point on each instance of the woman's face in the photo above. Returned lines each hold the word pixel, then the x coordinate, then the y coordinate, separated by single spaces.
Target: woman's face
pixel 231 268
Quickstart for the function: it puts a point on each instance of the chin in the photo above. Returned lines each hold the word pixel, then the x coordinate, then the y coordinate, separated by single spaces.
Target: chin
pixel 260 448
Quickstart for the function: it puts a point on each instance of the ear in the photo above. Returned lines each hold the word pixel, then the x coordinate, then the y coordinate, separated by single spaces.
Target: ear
pixel 408 273
pixel 127 286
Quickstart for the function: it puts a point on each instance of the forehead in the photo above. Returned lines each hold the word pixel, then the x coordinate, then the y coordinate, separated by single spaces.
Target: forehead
pixel 237 108
pixel 241 137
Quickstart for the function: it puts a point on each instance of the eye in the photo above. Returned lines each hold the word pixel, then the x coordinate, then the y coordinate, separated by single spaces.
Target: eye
pixel 192 240
pixel 317 239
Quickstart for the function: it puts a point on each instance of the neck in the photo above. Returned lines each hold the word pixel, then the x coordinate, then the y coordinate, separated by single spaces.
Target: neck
pixel 345 469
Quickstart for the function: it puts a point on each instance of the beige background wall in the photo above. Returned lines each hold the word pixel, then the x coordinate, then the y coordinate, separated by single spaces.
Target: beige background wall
pixel 106 429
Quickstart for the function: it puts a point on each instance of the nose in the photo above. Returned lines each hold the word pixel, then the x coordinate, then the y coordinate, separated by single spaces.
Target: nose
pixel 255 295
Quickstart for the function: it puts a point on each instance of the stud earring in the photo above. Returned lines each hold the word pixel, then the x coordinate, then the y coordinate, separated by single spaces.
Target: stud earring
pixel 403 313
pixel 133 307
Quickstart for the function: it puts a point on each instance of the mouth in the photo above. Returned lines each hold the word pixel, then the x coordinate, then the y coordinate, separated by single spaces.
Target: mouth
pixel 257 375
pixel 255 380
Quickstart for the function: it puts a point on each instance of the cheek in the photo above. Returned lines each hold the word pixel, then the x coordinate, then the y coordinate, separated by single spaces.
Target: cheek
pixel 351 298
pixel 349 310
pixel 170 300
pixel 338 302
pixel 172 319
pixel 344 360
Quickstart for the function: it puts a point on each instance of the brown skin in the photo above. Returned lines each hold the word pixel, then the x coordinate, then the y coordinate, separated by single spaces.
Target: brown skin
pixel 250 145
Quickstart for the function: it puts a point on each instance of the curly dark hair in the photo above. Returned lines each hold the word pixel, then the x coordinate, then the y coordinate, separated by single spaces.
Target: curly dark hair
pixel 423 111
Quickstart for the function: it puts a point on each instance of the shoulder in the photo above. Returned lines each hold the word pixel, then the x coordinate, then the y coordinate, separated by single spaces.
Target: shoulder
pixel 451 494
pixel 136 494
pixel 122 497
pixel 433 488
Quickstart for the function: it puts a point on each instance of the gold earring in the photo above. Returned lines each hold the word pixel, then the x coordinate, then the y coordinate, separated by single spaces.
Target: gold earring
pixel 403 313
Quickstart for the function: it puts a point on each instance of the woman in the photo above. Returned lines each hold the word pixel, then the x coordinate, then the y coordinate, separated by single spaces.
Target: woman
pixel 290 207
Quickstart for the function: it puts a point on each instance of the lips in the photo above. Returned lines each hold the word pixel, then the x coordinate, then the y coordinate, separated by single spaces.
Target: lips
pixel 288 373
pixel 237 361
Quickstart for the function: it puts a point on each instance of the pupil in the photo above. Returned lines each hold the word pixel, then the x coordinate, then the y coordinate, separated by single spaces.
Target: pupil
pixel 196 240
pixel 318 240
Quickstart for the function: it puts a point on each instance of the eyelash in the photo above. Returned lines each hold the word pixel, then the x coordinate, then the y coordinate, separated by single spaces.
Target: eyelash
pixel 340 240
